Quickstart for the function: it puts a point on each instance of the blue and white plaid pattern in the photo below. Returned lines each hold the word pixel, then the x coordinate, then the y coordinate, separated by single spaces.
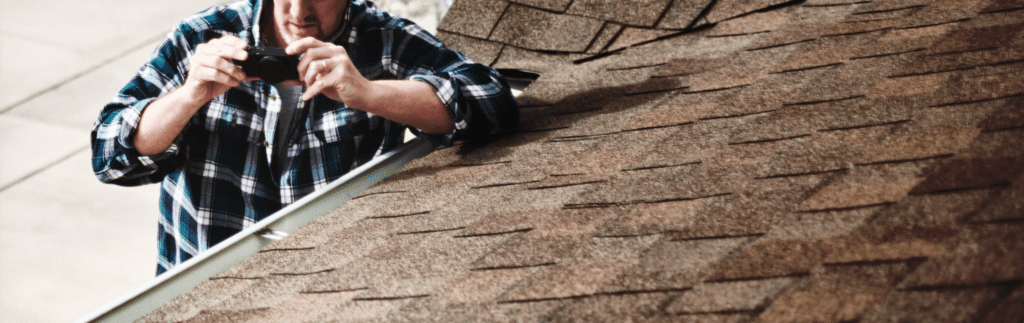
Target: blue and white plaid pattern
pixel 216 176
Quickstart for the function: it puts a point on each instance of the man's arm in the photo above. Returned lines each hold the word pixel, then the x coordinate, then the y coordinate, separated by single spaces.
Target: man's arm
pixel 129 149
pixel 211 74
pixel 412 103
pixel 326 68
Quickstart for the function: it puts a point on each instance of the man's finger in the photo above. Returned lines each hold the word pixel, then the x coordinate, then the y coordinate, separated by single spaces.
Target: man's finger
pixel 300 46
pixel 215 76
pixel 221 65
pixel 309 58
pixel 314 71
pixel 217 47
pixel 232 53
pixel 325 51
pixel 324 82
pixel 313 90
pixel 234 42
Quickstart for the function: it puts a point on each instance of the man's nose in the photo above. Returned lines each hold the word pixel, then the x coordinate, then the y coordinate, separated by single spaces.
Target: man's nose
pixel 303 9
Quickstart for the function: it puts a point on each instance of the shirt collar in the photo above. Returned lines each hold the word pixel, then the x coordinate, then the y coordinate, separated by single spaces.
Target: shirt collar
pixel 257 29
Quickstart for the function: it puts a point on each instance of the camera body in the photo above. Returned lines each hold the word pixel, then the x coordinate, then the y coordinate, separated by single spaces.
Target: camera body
pixel 271 64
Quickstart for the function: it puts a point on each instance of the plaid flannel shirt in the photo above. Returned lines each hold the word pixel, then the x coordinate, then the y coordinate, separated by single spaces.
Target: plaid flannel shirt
pixel 216 177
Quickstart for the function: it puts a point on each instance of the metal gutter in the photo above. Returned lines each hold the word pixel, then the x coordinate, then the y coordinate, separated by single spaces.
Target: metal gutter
pixel 241 246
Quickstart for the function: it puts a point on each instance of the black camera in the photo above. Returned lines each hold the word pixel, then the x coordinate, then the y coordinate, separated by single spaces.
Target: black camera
pixel 271 64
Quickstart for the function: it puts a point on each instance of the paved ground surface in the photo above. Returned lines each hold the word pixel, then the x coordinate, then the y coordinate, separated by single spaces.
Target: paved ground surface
pixel 69 244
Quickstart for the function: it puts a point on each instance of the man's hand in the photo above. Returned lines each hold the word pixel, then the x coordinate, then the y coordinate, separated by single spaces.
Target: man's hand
pixel 212 72
pixel 326 68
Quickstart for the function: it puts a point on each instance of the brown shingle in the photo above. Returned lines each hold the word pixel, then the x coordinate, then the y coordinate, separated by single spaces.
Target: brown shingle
pixel 426 311
pixel 683 66
pixel 304 307
pixel 995 144
pixel 687 147
pixel 682 14
pixel 669 115
pixel 473 18
pixel 630 36
pixel 652 218
pixel 602 308
pixel 745 69
pixel 873 243
pixel 552 5
pixel 761 22
pixel 915 143
pixel 963 304
pixel 608 33
pixel 771 258
pixel 629 12
pixel 227 315
pixel 866 186
pixel 363 311
pixel 945 11
pixel 1008 309
pixel 975 39
pixel 1005 205
pixel 588 267
pixel 208 293
pixel 837 293
pixel 528 250
pixel 824 224
pixel 723 10
pixel 963 174
pixel 960 61
pixel 752 213
pixel 931 211
pixel 700 182
pixel 1002 5
pixel 674 265
pixel 482 286
pixel 267 292
pixel 823 151
pixel 987 254
pixel 1006 117
pixel 476 49
pixel 539 30
pixel 731 296
pixel 812 59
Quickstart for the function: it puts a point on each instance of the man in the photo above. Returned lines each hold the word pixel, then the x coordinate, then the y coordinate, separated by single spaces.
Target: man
pixel 231 149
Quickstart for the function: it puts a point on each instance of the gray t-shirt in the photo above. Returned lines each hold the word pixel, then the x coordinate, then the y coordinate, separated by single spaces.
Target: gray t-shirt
pixel 288 119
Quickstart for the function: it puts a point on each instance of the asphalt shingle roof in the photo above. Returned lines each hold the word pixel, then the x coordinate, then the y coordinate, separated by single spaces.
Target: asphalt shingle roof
pixel 691 160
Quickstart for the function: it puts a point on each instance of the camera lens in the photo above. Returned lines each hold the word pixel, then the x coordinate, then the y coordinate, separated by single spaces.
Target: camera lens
pixel 272 69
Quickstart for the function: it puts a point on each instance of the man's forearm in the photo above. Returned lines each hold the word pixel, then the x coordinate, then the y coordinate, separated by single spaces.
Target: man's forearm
pixel 162 120
pixel 211 74
pixel 325 68
pixel 411 103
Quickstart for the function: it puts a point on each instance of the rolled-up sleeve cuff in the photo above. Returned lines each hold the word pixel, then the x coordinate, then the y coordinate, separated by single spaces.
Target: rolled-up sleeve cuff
pixel 447 91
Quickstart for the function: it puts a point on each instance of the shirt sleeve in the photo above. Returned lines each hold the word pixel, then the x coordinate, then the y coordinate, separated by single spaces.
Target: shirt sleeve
pixel 115 158
pixel 476 97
